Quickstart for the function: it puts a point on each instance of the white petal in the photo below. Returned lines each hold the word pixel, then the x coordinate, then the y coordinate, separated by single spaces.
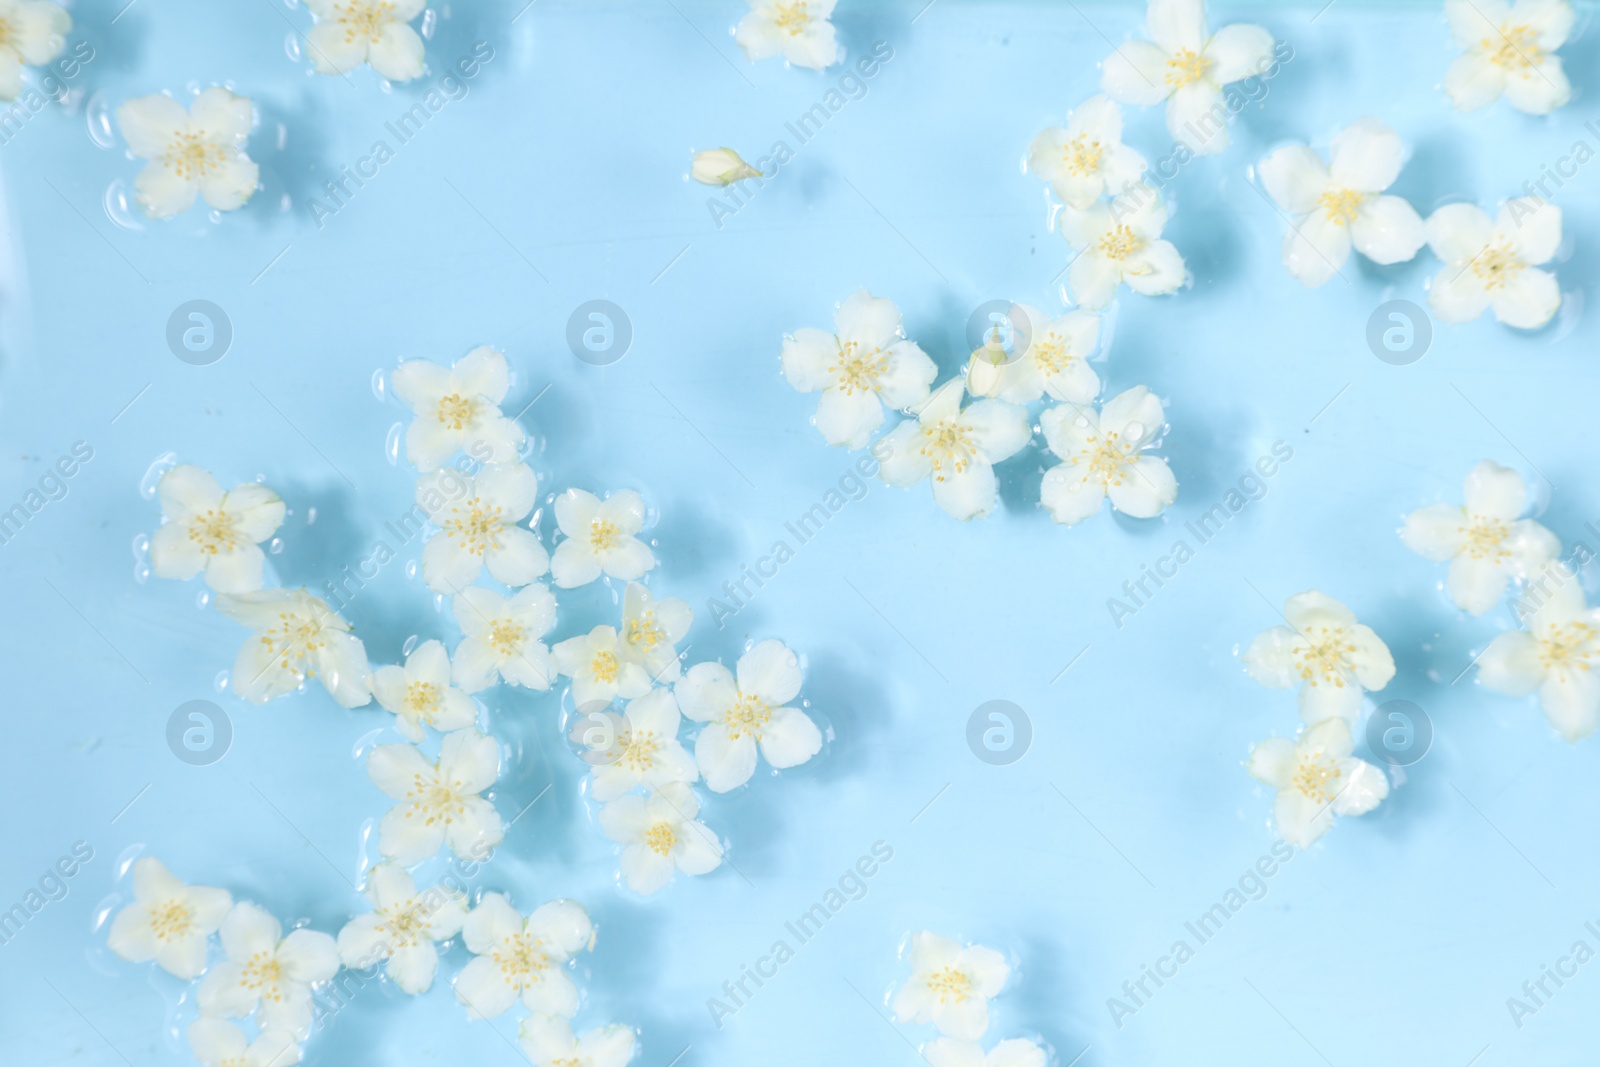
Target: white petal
pixel 1476 585
pixel 1069 496
pixel 1529 300
pixel 1473 82
pixel 1239 51
pixel 869 321
pixel 1511 664
pixel 1435 532
pixel 1270 660
pixel 1532 227
pixel 707 690
pixel 1315 248
pixel 1366 156
pixel 848 417
pixel 1540 89
pixel 1177 25
pixel 1272 761
pixel 1295 176
pixel 789 739
pixel 725 763
pixel 150 123
pixel 1458 232
pixel 397 54
pixel 1136 73
pixel 1388 230
pixel 806 357
pixel 1146 490
pixel 1571 701
pixel 1197 116
pixel 1495 491
pixel 968 494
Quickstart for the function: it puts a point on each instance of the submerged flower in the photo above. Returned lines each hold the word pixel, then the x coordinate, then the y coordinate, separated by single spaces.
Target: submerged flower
pixel 1509 51
pixel 195 151
pixel 32 33
pixel 1338 204
pixel 1187 66
pixel 950 986
pixel 501 638
pixel 213 531
pixel 646 751
pixel 458 407
pixel 402 928
pixel 267 973
pixel 1325 651
pixel 522 958
pixel 1054 361
pixel 420 693
pixel 748 712
pixel 864 364
pixel 349 33
pixel 1485 542
pixel 168 921
pixel 479 522
pixel 1120 242
pixel 956 447
pixel 594 663
pixel 438 802
pixel 1103 455
pixel 721 166
pixel 1087 157
pixel 599 538
pixel 1557 656
pixel 660 834
pixel 220 1043
pixel 1316 779
pixel 1496 263
pixel 548 1041
pixel 799 30
pixel 651 630
pixel 952 1052
pixel 296 637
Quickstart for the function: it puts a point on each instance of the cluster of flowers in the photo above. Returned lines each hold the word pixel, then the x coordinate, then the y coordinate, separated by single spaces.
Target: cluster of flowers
pixel 950 987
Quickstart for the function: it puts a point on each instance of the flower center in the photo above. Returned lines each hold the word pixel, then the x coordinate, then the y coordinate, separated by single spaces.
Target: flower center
pixel 422 697
pixel 1050 355
pixel 522 960
pixel 660 839
pixel 747 716
pixel 950 446
pixel 950 984
pixel 604 666
pixel 407 925
pixel 1120 242
pixel 1517 48
pixel 434 798
pixel 603 535
pixel 262 972
pixel 478 525
pixel 1340 206
pixel 1496 266
pixel 457 411
pixel 293 641
pixel 365 19
pixel 1108 457
pixel 1324 655
pixel 505 637
pixel 1185 67
pixel 190 155
pixel 1316 776
pixel 858 370
pixel 1485 538
pixel 1569 646
pixel 640 755
pixel 1082 155
pixel 792 18
pixel 5 33
pixel 644 633
pixel 214 531
pixel 172 919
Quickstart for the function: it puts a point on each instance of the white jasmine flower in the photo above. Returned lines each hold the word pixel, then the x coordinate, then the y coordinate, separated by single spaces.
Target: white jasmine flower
pixel 219 1043
pixel 1316 779
pixel 646 751
pixel 1120 241
pixel 548 1041
pixel 420 693
pixel 458 408
pixel 479 525
pixel 599 538
pixel 957 447
pixel 1324 650
pixel 502 638
pixel 1187 66
pixel 296 637
pixel 1087 157
pixel 524 958
pixel 594 663
pixel 1509 51
pixel 951 1052
pixel 950 986
pixel 34 33
pixel 438 802
pixel 1104 455
pixel 1485 542
pixel 267 973
pixel 402 928
pixel 746 713
pixel 168 921
pixel 1055 362
pixel 721 166
pixel 864 364
pixel 195 151
pixel 210 530
pixel 349 33
pixel 660 834
pixel 1339 204
pixel 1556 656
pixel 651 630
pixel 1495 264
pixel 798 30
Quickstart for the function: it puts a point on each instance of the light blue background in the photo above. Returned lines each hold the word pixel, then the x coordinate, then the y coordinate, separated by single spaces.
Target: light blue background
pixel 1394 941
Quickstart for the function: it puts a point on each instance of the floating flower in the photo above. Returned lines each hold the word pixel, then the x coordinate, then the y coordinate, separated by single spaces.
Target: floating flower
pixel 501 638
pixel 210 530
pixel 35 33
pixel 168 921
pixel 746 713
pixel 480 525
pixel 660 834
pixel 296 637
pixel 1509 51
pixel 420 693
pixel 646 751
pixel 798 30
pixel 458 408
pixel 950 986
pixel 651 630
pixel 1186 66
pixel 864 364
pixel 219 1043
pixel 548 1041
pixel 526 958
pixel 1485 542
pixel 1495 264
pixel 1120 241
pixel 438 802
pixel 1316 779
pixel 267 973
pixel 594 663
pixel 195 151
pixel 1340 203
pixel 1104 455
pixel 402 928
pixel 950 1052
pixel 1556 656
pixel 1053 360
pixel 599 538
pixel 1324 650
pixel 1087 157
pixel 721 166
pixel 957 447
pixel 349 33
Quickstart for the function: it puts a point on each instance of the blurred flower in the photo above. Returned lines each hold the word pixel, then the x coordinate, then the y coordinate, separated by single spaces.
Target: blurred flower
pixel 195 151
pixel 951 1052
pixel 1495 264
pixel 956 447
pixel 721 166
pixel 651 630
pixel 35 33
pixel 1054 362
pixel 599 538
pixel 267 973
pixel 1325 651
pixel 1103 456
pixel 349 33
pixel 438 802
pixel 1509 51
pixel 646 751
pixel 1087 157
pixel 950 986
pixel 420 693
pixel 479 522
pixel 799 30
pixel 1120 241
pixel 1556 656
pixel 547 1041
pixel 1316 779
pixel 168 921
pixel 747 713
pixel 660 835
pixel 213 531
pixel 501 638
pixel 297 637
pixel 456 408
pixel 219 1043
pixel 402 928
pixel 522 958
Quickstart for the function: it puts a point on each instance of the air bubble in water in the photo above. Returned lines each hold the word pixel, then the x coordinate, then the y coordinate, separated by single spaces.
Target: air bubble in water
pixel 220 682
pixel 275 546
pixel 411 569
pixel 154 473
pixel 97 114
pixel 380 384
pixel 202 599
pixel 391 445
pixel 410 644
pixel 119 207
